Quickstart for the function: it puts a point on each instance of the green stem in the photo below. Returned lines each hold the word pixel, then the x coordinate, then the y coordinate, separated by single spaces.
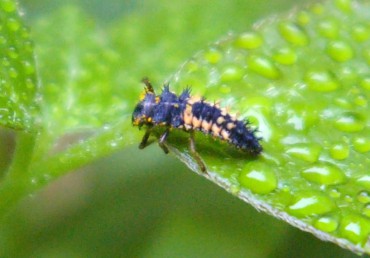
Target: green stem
pixel 22 158
pixel 17 182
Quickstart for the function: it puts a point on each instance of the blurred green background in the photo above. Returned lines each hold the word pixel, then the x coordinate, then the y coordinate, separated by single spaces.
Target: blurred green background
pixel 143 203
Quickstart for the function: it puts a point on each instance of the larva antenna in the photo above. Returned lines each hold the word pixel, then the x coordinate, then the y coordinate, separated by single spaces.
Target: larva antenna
pixel 148 86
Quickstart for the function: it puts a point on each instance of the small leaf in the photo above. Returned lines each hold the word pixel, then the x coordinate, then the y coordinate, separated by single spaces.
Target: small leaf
pixel 303 81
pixel 18 82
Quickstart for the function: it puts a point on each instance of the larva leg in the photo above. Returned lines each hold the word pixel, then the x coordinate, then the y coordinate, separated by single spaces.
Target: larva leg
pixel 144 141
pixel 162 140
pixel 195 153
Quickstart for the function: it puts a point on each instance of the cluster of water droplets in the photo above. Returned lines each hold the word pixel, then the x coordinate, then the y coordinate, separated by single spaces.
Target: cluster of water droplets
pixel 81 89
pixel 18 79
pixel 305 80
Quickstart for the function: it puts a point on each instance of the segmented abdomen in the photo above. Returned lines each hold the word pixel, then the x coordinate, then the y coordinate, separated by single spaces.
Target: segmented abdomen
pixel 210 119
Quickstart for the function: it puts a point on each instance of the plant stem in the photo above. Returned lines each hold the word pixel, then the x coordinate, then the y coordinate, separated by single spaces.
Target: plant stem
pixel 17 182
pixel 22 158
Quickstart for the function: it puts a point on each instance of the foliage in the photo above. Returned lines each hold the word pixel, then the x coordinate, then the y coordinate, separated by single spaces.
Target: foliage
pixel 297 77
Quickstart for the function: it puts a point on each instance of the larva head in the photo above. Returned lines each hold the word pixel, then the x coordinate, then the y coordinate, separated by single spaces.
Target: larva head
pixel 143 112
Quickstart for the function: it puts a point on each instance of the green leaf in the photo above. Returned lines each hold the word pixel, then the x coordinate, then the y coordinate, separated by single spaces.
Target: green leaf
pixel 84 112
pixel 77 71
pixel 303 80
pixel 18 82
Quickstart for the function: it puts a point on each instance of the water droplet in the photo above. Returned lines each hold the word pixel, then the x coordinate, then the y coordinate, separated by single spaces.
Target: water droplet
pixel 324 174
pixel 360 101
pixel 344 5
pixel 334 193
pixel 317 8
pixel 366 210
pixel 363 197
pixel 231 74
pixel 191 66
pixel 234 190
pixel 5 61
pixel 355 228
pixel 343 103
pixel 347 75
pixel 339 51
pixel 8 6
pixel 350 122
pixel 12 72
pixel 305 151
pixel 361 144
pixel 320 81
pixel 28 67
pixel 326 224
pixel 360 33
pixel 364 181
pixel 224 89
pixel 293 34
pixel 213 56
pixel 303 18
pixel 12 53
pixel 285 188
pixel 285 56
pixel 263 66
pixel 29 84
pixel 339 151
pixel 13 24
pixel 28 46
pixel 309 203
pixel 348 198
pixel 328 29
pixel 249 40
pixel 34 181
pixel 258 177
pixel 107 127
pixel 25 33
pixel 113 144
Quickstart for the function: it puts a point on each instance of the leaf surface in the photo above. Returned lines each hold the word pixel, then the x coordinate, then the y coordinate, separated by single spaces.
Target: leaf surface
pixel 18 80
pixel 303 80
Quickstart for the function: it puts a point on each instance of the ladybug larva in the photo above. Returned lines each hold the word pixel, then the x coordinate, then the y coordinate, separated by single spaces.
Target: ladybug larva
pixel 190 113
